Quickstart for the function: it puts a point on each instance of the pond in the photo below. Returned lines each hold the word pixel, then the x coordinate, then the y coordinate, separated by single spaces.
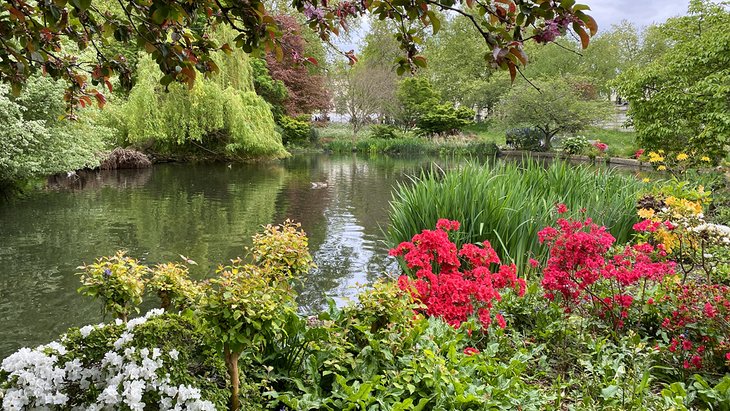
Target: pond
pixel 204 212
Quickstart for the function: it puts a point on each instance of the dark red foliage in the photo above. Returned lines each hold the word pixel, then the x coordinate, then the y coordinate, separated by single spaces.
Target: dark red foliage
pixel 307 92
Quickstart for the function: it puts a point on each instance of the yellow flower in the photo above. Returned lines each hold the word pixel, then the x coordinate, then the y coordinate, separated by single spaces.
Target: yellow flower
pixel 682 156
pixel 646 213
pixel 655 158
pixel 667 238
pixel 661 168
pixel 646 179
pixel 661 151
pixel 705 159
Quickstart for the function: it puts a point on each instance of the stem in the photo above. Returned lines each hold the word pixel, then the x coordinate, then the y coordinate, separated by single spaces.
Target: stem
pixel 231 359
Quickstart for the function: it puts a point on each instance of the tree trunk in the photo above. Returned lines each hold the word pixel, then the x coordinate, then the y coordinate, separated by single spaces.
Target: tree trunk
pixel 232 366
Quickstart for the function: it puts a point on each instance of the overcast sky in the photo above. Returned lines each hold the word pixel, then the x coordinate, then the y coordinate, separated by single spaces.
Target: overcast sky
pixel 640 12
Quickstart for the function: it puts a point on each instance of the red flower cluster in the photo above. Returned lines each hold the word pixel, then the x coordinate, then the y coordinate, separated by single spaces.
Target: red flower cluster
pixel 455 284
pixel 600 146
pixel 581 261
pixel 697 319
pixel 639 153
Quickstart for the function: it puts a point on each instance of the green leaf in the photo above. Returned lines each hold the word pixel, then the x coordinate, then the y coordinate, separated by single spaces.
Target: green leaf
pixel 609 392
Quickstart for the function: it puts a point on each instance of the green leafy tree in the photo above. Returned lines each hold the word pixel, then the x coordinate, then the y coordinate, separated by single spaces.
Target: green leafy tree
pixel 458 69
pixel 681 100
pixel 556 107
pixel 118 281
pixel 221 115
pixel 248 305
pixel 33 143
pixel 273 91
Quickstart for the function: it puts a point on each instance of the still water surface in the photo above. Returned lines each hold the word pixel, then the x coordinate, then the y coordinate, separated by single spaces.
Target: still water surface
pixel 205 212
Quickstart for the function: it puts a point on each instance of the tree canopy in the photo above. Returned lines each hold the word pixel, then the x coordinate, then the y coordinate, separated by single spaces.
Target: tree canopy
pixel 681 100
pixel 51 36
pixel 557 107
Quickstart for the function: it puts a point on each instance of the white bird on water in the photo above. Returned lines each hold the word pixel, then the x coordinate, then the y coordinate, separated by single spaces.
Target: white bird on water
pixel 319 184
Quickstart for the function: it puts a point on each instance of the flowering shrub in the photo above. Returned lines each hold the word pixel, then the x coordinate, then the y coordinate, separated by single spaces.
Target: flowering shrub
pixel 455 284
pixel 117 280
pixel 677 164
pixel 172 284
pixel 677 223
pixel 586 273
pixel 103 367
pixel 601 147
pixel 695 325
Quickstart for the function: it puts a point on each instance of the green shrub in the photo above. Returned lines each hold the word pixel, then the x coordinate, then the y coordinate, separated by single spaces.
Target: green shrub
pixel 444 119
pixel 144 364
pixel 294 131
pixel 525 138
pixel 507 204
pixel 574 145
pixel 385 132
pixel 118 281
pixel 172 284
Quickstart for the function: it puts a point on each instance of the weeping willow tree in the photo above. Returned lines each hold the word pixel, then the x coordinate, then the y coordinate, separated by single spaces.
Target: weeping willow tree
pixel 220 115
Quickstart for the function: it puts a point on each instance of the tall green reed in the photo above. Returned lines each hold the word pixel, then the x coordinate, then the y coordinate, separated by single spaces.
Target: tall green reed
pixel 508 203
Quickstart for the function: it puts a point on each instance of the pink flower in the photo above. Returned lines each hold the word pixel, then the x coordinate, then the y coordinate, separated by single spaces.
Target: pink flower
pixel 446 225
pixel 500 320
pixel 534 263
pixel 562 208
pixel 639 153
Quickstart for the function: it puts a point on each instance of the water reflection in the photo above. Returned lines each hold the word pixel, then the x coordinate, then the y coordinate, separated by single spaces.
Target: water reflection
pixel 206 212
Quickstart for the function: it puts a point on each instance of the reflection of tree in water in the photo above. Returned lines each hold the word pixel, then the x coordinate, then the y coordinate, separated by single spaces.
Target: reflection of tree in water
pixel 207 213
pixel 343 221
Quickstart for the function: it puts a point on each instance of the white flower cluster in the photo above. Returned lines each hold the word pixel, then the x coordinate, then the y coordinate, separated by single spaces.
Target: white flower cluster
pixel 716 232
pixel 36 379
